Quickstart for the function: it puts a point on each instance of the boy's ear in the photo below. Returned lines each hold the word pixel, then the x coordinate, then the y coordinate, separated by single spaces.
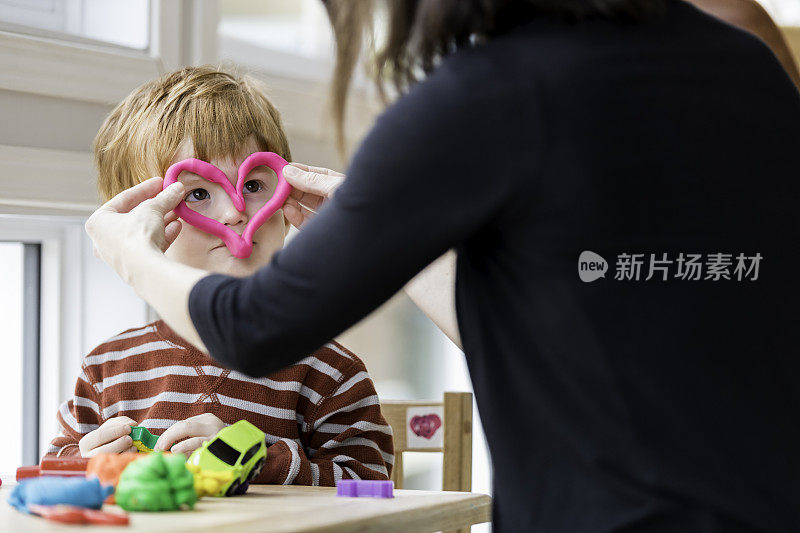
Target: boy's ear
pixel 288 226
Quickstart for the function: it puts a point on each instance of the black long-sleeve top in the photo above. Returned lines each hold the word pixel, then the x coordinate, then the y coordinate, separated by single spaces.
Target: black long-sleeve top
pixel 661 397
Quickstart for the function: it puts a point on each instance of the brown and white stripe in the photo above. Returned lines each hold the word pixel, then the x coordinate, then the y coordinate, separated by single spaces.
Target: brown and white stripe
pixel 321 416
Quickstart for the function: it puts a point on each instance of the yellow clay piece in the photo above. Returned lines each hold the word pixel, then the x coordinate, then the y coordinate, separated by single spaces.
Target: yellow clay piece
pixel 209 482
pixel 141 447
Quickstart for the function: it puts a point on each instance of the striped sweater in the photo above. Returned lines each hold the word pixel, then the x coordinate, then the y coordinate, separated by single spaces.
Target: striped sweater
pixel 321 416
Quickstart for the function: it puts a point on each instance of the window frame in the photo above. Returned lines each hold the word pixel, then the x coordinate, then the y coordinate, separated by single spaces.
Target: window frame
pixel 68 280
pixel 31 353
pixel 90 71
pixel 60 289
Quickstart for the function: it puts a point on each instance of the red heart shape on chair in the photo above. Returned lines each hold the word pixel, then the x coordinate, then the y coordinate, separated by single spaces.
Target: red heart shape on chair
pixel 240 246
pixel 425 426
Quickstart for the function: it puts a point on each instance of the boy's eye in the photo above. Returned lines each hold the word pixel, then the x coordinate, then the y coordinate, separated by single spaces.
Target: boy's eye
pixel 253 186
pixel 197 195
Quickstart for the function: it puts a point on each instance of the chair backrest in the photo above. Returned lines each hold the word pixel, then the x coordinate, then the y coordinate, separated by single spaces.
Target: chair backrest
pixel 435 426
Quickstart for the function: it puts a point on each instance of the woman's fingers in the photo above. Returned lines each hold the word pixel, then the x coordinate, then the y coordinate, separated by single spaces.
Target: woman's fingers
pixel 170 217
pixel 130 198
pixel 166 200
pixel 171 233
pixel 312 201
pixel 319 170
pixel 172 228
pixel 296 214
pixel 291 210
pixel 312 185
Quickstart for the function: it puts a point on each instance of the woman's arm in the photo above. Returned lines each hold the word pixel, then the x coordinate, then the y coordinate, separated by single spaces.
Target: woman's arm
pixel 434 291
pixel 166 284
pixel 130 232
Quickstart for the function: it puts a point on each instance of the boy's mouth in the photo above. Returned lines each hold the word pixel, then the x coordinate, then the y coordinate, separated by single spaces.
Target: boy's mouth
pixel 222 245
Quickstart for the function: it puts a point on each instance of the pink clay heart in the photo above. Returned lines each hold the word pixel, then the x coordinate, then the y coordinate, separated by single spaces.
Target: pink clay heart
pixel 241 246
pixel 425 426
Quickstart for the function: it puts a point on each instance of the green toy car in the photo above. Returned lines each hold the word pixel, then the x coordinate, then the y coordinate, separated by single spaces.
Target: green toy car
pixel 238 449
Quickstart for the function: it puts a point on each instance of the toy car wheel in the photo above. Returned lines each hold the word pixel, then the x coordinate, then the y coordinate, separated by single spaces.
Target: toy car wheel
pixel 243 488
pixel 233 488
pixel 256 469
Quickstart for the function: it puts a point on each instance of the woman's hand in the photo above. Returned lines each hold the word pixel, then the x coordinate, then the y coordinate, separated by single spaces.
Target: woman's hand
pixel 195 430
pixel 135 220
pixel 311 187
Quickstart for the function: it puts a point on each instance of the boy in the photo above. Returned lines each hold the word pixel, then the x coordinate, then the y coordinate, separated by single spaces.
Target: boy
pixel 321 416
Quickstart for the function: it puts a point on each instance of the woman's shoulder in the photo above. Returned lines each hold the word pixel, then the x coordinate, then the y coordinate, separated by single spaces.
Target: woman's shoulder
pixel 469 89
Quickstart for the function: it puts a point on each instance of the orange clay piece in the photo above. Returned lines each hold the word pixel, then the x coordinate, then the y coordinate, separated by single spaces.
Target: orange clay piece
pixel 109 466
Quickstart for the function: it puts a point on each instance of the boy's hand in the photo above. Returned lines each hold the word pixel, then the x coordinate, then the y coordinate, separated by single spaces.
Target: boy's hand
pixel 311 187
pixel 112 437
pixel 195 430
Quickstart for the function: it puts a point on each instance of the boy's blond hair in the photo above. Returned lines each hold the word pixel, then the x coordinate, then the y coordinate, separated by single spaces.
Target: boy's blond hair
pixel 217 110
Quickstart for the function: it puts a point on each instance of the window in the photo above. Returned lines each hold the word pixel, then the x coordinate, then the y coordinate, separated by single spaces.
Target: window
pixel 119 22
pixel 99 50
pixel 289 44
pixel 288 38
pixel 58 302
pixel 785 12
pixel 20 276
pixel 297 27
pixel 250 453
pixel 11 346
pixel 223 451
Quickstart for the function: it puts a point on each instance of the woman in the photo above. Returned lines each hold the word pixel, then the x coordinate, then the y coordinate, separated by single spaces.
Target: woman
pixel 649 140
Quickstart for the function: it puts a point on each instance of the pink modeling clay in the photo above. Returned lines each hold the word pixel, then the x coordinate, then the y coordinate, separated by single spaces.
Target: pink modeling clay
pixel 240 246
pixel 425 426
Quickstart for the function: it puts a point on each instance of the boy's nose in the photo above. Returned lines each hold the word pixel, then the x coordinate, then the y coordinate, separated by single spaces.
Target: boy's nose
pixel 232 217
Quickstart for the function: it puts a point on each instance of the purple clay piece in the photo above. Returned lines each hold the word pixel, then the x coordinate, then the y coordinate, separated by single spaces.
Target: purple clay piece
pixel 358 488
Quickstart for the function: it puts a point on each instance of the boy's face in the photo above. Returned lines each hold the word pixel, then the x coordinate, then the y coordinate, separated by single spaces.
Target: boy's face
pixel 199 249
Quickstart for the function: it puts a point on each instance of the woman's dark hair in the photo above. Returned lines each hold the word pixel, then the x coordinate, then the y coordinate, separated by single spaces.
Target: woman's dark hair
pixel 422 31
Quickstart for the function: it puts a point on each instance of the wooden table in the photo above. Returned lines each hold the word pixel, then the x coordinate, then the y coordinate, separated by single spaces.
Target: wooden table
pixel 292 508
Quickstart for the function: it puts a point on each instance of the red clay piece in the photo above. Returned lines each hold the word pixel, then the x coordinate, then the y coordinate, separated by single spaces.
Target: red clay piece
pixel 27 472
pixel 70 514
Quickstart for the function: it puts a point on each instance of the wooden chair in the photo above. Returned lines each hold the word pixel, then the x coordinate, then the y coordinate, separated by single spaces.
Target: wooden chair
pixel 416 429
